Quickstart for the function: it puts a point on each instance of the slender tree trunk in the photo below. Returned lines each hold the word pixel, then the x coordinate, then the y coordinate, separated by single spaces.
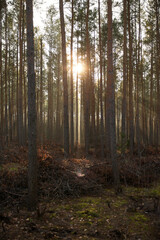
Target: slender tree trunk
pixel 87 84
pixel 1 84
pixel 151 102
pixel 101 85
pixel 65 84
pixel 24 80
pixel 92 98
pixel 20 101
pixel 98 94
pixel 123 134
pixel 25 98
pixel 127 98
pixel 58 103
pixel 82 113
pixel 158 71
pixel 32 146
pixel 17 87
pixel 9 95
pixel 111 103
pixel 77 109
pixel 144 130
pixel 50 94
pixel 6 78
pixel 41 92
pixel 138 83
pixel 72 122
pixel 131 130
pixel 13 92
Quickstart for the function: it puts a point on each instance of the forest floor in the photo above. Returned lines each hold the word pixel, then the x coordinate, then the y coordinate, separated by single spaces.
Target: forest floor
pixel 77 199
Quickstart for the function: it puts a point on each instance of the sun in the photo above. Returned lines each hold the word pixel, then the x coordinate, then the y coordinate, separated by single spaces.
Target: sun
pixel 79 68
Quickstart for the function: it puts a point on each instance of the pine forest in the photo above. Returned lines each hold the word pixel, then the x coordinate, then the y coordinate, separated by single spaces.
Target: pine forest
pixel 79 119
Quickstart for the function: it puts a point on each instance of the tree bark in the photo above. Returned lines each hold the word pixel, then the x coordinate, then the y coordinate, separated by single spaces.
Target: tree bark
pixel 1 84
pixel 151 102
pixel 131 130
pixel 101 85
pixel 157 72
pixel 20 99
pixel 41 92
pixel 138 82
pixel 87 84
pixel 6 78
pixel 32 146
pixel 72 122
pixel 77 108
pixel 111 99
pixel 65 84
pixel 123 134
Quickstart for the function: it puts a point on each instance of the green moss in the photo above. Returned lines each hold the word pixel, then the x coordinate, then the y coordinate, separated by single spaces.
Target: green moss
pixel 120 203
pixel 90 200
pixel 12 167
pixel 88 213
pixel 68 207
pixel 80 206
pixel 139 218
pixel 134 190
pixel 64 207
pixel 110 191
pixel 53 215
pixel 155 191
pixel 139 224
pixel 108 200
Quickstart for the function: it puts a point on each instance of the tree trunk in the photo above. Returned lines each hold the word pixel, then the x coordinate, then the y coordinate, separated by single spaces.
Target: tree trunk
pixel 20 104
pixel 9 95
pixel 17 87
pixel 158 72
pixel 151 102
pixel 25 98
pixel 111 99
pixel 32 146
pixel 72 122
pixel 65 84
pixel 6 79
pixel 58 103
pixel 131 130
pixel 101 86
pixel 50 95
pixel 77 108
pixel 138 83
pixel 123 134
pixel 87 85
pixel 41 93
pixel 1 84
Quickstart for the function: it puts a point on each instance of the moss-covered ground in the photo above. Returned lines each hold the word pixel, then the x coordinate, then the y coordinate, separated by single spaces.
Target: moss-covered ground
pixel 75 203
pixel 131 215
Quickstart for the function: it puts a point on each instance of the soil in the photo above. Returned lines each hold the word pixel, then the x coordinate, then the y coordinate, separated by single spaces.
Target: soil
pixel 77 199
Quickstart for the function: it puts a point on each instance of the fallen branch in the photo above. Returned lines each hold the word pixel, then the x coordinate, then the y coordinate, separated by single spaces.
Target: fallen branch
pixel 14 194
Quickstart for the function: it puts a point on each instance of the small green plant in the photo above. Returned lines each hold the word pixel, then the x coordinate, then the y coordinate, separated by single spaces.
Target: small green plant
pixel 87 213
pixel 155 191
pixel 53 215
pixel 139 218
